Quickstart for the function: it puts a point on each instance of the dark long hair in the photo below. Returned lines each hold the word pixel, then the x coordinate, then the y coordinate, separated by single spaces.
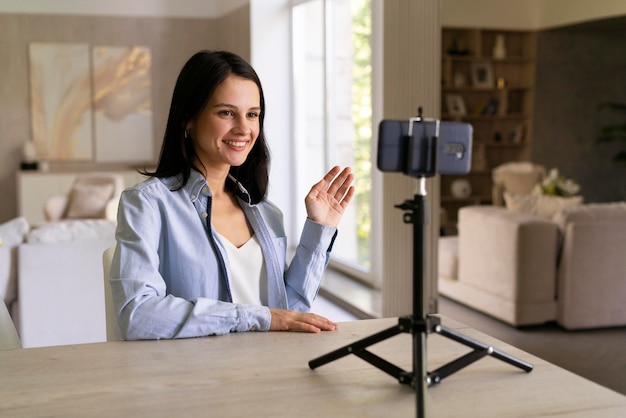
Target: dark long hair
pixel 195 85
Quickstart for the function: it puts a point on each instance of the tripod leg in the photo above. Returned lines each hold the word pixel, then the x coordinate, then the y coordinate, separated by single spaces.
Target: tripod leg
pixel 446 370
pixel 403 376
pixel 355 346
pixel 480 350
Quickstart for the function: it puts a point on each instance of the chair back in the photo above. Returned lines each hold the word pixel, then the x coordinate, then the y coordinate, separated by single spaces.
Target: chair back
pixel 8 334
pixel 113 329
pixel 517 177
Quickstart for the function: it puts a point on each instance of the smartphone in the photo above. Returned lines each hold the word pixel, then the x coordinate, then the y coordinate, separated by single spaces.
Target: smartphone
pixel 434 147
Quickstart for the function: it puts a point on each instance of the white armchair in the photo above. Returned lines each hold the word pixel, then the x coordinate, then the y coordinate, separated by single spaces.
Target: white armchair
pixel 506 265
pixel 518 177
pixel 92 196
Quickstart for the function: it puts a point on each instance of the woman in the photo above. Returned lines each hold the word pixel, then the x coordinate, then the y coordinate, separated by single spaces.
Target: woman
pixel 200 251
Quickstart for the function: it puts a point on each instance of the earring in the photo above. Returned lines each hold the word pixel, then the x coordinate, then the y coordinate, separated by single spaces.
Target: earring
pixel 186 133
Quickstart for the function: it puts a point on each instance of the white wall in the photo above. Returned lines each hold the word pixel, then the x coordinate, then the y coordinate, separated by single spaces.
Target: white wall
pixel 147 8
pixel 560 12
pixel 501 14
pixel 526 14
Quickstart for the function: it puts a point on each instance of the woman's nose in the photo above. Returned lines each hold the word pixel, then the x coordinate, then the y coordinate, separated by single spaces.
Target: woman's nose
pixel 243 125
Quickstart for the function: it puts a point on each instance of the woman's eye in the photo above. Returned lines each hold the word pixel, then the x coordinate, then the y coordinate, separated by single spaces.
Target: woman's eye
pixel 226 112
pixel 253 115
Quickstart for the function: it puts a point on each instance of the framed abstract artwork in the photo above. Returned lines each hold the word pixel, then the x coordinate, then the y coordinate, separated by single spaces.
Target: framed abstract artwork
pixel 60 101
pixel 91 104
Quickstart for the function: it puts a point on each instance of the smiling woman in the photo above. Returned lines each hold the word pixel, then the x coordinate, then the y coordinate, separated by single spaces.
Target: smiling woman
pixel 200 250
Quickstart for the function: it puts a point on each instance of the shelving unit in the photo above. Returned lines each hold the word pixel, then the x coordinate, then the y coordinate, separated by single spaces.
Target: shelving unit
pixel 494 95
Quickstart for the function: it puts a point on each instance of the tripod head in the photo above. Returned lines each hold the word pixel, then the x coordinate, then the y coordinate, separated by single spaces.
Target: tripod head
pixel 421 147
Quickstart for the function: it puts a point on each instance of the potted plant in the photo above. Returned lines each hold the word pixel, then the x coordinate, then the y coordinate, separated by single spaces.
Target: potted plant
pixel 614 132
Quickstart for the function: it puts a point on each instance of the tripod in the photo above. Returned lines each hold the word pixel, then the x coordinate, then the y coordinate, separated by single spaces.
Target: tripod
pixel 419 325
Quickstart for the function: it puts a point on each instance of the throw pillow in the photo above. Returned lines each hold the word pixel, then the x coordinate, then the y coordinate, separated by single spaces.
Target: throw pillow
pixel 540 205
pixel 88 201
pixel 12 234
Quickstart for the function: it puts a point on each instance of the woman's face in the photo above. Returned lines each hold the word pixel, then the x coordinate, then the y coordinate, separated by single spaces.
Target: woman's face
pixel 226 130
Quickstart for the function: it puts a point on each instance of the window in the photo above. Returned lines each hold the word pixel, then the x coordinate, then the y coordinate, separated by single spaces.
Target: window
pixel 332 75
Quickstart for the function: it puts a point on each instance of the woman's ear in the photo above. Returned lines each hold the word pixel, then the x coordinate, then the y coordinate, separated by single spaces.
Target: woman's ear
pixel 189 129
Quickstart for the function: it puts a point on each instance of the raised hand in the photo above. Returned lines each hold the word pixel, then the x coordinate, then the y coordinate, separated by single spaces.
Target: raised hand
pixel 326 201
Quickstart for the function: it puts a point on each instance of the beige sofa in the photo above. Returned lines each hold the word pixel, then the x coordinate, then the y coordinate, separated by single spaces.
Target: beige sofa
pixel 525 269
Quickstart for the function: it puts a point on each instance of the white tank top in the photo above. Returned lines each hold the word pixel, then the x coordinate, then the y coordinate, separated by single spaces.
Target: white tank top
pixel 248 278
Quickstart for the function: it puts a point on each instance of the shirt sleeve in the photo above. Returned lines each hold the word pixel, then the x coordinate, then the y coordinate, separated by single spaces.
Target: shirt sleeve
pixel 304 275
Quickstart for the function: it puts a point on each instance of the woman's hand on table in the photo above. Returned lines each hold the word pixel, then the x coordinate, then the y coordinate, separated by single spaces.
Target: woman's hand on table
pixel 285 320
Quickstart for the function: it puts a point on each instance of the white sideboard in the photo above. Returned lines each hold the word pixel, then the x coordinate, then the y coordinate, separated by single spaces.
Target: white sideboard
pixel 34 188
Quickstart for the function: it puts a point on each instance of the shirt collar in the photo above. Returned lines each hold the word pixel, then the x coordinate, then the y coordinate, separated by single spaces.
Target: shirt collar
pixel 197 186
pixel 238 189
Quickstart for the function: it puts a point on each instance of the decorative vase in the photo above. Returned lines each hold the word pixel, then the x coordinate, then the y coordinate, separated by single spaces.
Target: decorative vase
pixel 29 152
pixel 29 156
pixel 461 188
pixel 499 48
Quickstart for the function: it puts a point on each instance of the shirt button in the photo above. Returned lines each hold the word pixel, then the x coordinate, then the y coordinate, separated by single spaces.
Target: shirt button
pixel 204 214
pixel 204 189
pixel 193 196
pixel 280 244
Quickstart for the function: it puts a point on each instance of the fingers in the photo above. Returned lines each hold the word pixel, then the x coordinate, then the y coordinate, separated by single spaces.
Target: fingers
pixel 340 183
pixel 332 173
pixel 284 320
pixel 347 197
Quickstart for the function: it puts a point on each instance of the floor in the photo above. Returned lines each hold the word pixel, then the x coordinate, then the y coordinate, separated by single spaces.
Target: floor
pixel 598 355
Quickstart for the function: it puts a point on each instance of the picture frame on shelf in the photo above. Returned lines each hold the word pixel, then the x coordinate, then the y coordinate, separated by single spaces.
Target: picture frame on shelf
pixel 455 105
pixel 482 75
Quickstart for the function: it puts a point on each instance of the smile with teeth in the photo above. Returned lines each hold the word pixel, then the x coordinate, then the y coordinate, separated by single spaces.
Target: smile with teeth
pixel 236 143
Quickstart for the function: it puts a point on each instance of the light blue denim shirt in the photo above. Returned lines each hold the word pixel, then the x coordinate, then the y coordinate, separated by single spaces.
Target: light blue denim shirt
pixel 169 275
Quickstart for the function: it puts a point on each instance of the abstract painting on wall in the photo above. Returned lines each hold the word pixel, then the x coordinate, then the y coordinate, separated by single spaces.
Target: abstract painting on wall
pixel 122 103
pixel 91 107
pixel 60 94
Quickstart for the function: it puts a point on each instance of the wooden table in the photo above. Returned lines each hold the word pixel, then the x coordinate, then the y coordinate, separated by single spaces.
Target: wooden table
pixel 267 375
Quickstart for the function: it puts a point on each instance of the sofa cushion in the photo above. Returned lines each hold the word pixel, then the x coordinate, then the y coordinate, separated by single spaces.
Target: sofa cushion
pixel 592 212
pixel 72 230
pixel 88 200
pixel 12 234
pixel 540 205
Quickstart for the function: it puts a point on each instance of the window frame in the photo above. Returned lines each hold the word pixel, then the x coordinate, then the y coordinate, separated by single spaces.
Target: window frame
pixel 373 276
